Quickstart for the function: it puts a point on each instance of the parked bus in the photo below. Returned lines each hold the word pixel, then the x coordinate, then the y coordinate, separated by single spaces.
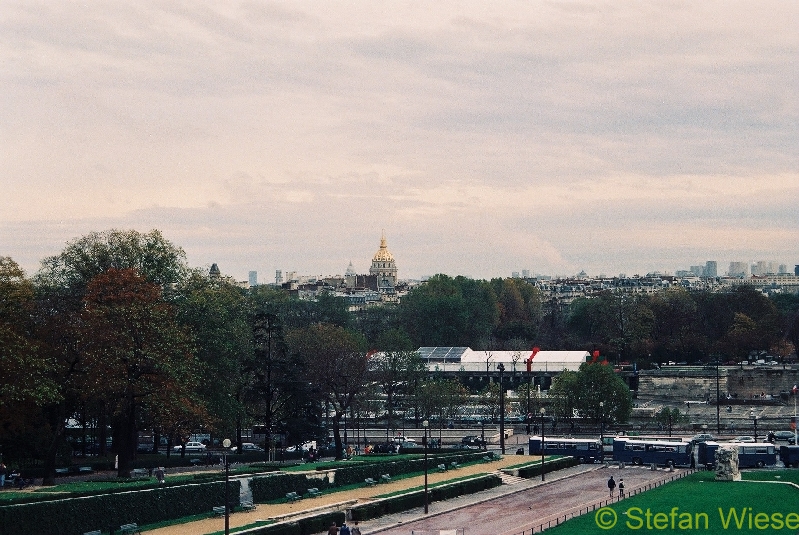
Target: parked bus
pixel 789 455
pixel 750 454
pixel 659 452
pixel 587 450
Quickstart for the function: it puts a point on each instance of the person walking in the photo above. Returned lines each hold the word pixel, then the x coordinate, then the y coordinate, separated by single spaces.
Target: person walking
pixel 355 530
pixel 611 485
pixel 344 530
pixel 621 488
pixel 333 529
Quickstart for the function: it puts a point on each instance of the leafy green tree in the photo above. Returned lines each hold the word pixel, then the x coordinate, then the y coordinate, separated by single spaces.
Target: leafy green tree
pixel 335 364
pixel 668 417
pixel 134 353
pixel 585 389
pixel 450 312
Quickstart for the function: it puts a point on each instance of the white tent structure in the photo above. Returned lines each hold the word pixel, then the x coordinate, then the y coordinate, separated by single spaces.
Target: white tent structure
pixel 464 359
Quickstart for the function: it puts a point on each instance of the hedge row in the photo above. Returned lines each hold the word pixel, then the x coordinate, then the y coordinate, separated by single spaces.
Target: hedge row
pixel 403 502
pixel 410 500
pixel 275 486
pixel 550 466
pixel 74 516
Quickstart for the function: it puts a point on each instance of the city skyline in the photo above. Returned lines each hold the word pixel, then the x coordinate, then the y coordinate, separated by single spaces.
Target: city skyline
pixel 557 137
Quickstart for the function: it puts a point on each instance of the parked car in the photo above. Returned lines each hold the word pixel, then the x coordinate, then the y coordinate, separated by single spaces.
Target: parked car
pixel 473 440
pixel 744 439
pixel 191 447
pixel 703 437
pixel 246 447
pixel 786 436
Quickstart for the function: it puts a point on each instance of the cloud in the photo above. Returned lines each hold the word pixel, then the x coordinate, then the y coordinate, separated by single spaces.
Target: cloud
pixel 485 138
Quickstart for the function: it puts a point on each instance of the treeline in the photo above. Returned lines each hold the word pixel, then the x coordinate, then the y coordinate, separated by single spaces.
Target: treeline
pixel 118 332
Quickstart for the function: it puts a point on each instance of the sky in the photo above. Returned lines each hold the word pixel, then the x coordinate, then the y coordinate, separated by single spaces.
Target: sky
pixel 481 137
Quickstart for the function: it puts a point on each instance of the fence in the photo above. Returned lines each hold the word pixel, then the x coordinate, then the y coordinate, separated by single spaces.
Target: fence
pixel 581 510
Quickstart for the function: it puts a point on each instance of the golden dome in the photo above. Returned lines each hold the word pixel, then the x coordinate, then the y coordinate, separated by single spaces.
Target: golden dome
pixel 382 255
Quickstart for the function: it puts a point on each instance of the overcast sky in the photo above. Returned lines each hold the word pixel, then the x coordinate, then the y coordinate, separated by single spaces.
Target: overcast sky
pixel 482 137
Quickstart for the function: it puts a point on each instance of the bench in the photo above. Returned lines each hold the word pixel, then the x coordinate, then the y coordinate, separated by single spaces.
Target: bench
pixel 247 505
pixel 385 478
pixel 490 457
pixel 292 497
pixel 442 468
pixel 370 482
pixel 95 532
pixel 218 510
pixel 453 465
pixel 129 529
pixel 314 492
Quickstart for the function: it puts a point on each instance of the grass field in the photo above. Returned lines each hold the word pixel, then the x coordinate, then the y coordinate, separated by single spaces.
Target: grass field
pixel 765 502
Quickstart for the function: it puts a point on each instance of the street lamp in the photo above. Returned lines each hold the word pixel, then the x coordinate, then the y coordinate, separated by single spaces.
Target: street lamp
pixel 543 446
pixel 753 416
pixel 425 423
pixel 501 368
pixel 226 445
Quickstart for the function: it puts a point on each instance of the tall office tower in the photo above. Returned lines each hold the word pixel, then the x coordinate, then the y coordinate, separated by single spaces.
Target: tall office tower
pixel 783 269
pixel 699 271
pixel 514 274
pixel 278 277
pixel 738 269
pixel 253 278
pixel 796 270
pixel 711 269
pixel 525 273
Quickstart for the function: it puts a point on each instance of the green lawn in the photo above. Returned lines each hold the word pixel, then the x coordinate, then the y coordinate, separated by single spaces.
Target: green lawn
pixel 699 504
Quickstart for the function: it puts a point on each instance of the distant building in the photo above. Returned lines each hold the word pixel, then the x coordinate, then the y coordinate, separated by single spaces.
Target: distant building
pixel 384 268
pixel 711 269
pixel 738 269
pixel 214 273
pixel 278 277
pixel 253 278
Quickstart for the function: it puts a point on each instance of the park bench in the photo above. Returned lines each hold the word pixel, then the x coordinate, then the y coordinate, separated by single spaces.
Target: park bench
pixel 292 497
pixel 453 465
pixel 129 529
pixel 314 492
pixel 139 472
pixel 385 478
pixel 247 505
pixel 218 510
pixel 95 532
pixel 442 468
pixel 370 482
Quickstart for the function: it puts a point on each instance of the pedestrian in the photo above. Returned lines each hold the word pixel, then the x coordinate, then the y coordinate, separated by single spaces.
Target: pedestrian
pixel 621 488
pixel 159 474
pixel 345 529
pixel 355 529
pixel 611 485
pixel 333 530
pixel 3 469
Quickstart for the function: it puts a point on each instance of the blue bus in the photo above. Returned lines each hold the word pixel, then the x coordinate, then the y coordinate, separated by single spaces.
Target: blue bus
pixel 658 452
pixel 587 450
pixel 789 455
pixel 750 454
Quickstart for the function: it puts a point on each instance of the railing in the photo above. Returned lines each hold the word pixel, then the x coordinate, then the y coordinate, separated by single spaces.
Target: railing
pixel 585 509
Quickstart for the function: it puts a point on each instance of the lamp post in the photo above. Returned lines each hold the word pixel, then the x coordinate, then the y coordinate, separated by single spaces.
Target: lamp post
pixel 226 445
pixel 754 419
pixel 425 423
pixel 602 428
pixel 543 446
pixel 501 368
pixel 529 387
pixel 718 401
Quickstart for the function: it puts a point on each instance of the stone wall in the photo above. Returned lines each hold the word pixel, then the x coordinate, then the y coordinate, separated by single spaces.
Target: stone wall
pixel 699 383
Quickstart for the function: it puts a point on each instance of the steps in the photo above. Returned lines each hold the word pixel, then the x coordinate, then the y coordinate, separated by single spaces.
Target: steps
pixel 508 479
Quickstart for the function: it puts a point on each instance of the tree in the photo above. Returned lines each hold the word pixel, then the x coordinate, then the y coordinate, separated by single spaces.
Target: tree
pixel 335 364
pixel 668 417
pixel 135 355
pixel 585 389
